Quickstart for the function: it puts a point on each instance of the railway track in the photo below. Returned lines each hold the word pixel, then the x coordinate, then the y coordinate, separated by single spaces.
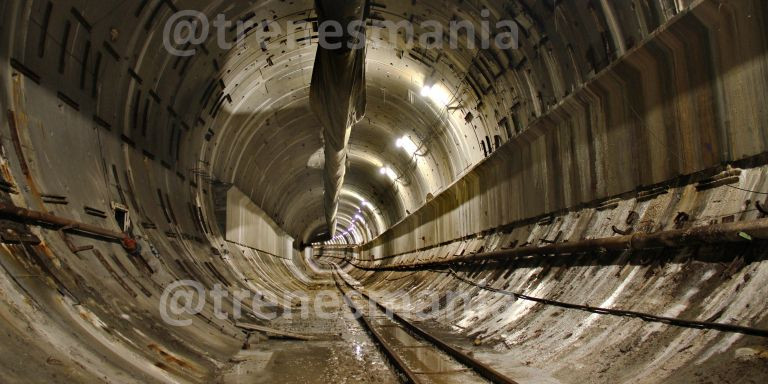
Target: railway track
pixel 419 356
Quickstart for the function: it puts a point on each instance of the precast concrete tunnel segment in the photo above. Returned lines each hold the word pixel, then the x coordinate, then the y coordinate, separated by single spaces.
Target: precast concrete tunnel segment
pixel 436 191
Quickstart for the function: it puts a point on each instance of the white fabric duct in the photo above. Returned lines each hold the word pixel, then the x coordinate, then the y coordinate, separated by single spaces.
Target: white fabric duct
pixel 338 90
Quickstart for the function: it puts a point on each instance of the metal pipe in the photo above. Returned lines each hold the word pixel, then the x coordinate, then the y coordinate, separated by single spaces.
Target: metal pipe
pixel 27 215
pixel 744 231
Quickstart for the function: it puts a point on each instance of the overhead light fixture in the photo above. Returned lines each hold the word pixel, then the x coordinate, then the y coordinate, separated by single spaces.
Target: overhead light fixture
pixel 389 172
pixel 426 90
pixel 436 92
pixel 407 144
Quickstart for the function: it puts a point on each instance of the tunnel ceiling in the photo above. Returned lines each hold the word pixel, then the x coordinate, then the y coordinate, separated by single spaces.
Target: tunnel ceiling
pixel 242 115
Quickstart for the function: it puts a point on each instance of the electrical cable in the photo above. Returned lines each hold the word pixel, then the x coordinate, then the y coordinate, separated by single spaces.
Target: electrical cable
pixel 722 327
pixel 624 313
pixel 746 190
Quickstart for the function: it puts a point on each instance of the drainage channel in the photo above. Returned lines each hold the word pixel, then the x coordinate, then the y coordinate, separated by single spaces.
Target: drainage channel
pixel 419 356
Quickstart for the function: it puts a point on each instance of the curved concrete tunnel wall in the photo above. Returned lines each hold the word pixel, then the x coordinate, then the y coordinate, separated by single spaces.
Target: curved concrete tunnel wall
pixel 636 125
pixel 629 150
pixel 98 112
pixel 91 315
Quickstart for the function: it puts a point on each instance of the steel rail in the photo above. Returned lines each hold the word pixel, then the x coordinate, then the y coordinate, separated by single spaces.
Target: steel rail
pixel 480 368
pixel 400 365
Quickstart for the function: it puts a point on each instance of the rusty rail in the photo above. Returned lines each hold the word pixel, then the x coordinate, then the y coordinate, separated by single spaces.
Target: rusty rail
pixel 737 232
pixel 462 357
pixel 37 217
pixel 390 353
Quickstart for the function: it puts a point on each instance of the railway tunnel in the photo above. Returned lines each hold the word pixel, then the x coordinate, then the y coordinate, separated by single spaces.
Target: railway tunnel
pixel 479 191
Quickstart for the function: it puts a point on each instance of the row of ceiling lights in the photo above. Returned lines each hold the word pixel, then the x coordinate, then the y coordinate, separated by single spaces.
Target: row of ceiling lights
pixel 357 218
pixel 439 95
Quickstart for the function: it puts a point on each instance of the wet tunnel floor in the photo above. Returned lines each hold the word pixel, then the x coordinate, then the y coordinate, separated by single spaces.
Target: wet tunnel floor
pixel 344 353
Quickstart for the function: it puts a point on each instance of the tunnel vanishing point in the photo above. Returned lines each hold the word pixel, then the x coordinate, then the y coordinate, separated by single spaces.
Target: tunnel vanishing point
pixel 358 191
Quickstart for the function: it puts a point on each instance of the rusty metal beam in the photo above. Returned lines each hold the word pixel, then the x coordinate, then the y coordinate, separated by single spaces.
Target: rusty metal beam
pixel 37 217
pixel 744 231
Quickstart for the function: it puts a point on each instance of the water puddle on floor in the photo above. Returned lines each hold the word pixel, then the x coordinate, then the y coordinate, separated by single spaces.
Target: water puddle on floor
pixel 430 364
pixel 342 353
pixel 505 362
